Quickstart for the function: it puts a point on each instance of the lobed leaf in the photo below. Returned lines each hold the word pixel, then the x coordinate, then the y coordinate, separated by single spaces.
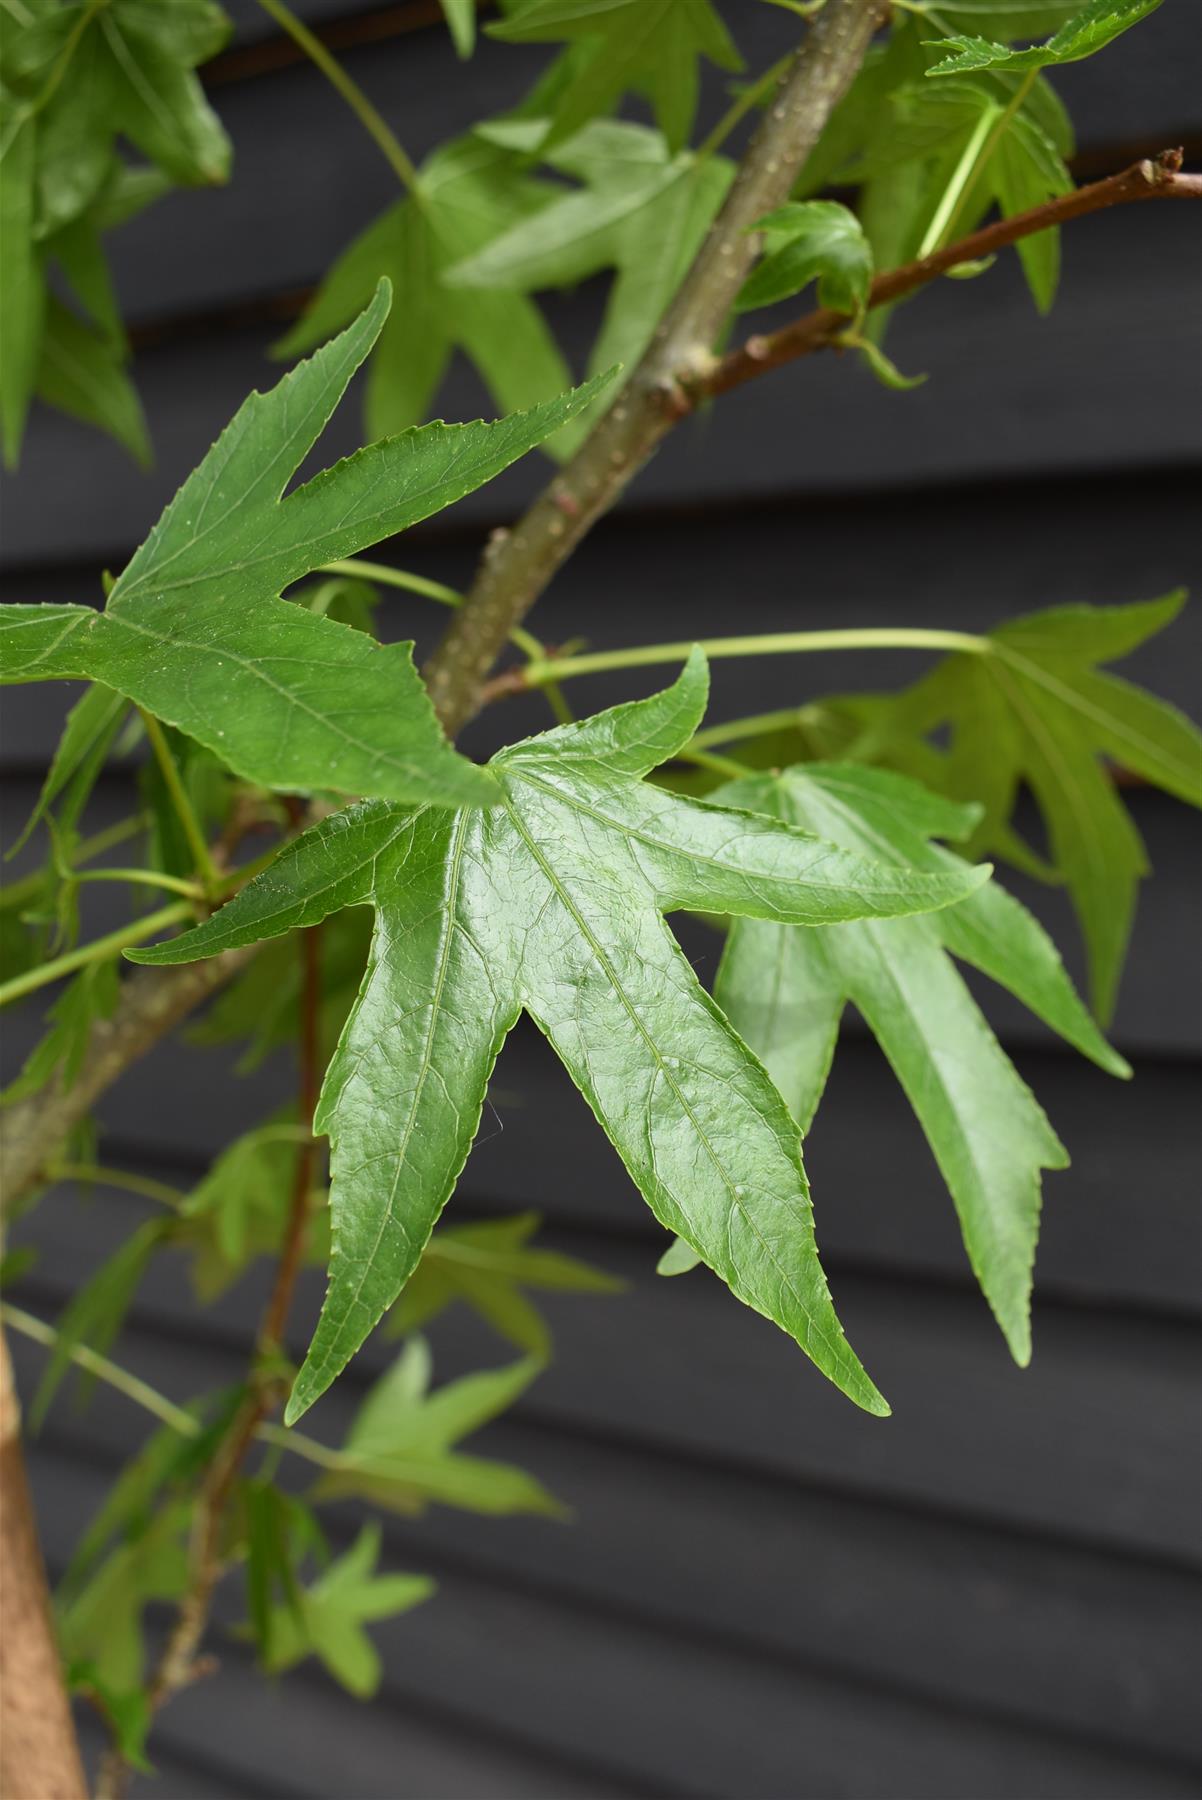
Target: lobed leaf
pixel 195 630
pixel 652 46
pixel 785 991
pixel 553 902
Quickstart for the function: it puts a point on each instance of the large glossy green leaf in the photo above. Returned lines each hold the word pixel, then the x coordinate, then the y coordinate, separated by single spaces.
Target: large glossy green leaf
pixel 652 46
pixel 785 990
pixel 468 193
pixel 553 901
pixel 195 630
pixel 1084 34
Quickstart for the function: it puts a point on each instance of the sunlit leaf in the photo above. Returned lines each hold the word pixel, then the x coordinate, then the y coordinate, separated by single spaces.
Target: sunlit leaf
pixel 553 902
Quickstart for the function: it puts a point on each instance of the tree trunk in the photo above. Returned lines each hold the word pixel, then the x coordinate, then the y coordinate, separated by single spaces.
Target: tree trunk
pixel 39 1754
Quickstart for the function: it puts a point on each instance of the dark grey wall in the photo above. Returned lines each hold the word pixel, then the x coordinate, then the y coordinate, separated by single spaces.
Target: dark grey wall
pixel 763 1592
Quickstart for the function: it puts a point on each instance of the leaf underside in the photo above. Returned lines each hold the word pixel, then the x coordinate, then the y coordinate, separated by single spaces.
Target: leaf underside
pixel 552 901
pixel 785 989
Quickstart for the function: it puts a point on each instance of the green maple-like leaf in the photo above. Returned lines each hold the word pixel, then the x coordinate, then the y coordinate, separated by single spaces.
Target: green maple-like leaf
pixel 326 1620
pixel 468 193
pixel 101 1624
pixel 811 240
pixel 652 46
pixel 915 147
pixel 1085 33
pixel 785 990
pixel 121 69
pixel 195 630
pixel 1037 710
pixel 641 211
pixel 487 1265
pixel 73 79
pixel 402 1453
pixel 553 901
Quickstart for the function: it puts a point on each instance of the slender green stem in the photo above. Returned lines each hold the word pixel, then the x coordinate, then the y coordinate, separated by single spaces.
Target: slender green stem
pixel 554 696
pixel 417 1474
pixel 179 799
pixel 68 50
pixel 288 1438
pixel 384 138
pixel 984 141
pixel 756 725
pixel 30 886
pixel 17 1319
pixel 725 766
pixel 885 637
pixel 127 1182
pixel 740 107
pixel 174 884
pixel 363 570
pixel 136 932
pixel 387 576
pixel 28 1325
pixel 951 202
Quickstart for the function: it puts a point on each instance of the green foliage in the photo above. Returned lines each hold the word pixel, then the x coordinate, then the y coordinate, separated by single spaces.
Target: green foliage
pixel 195 631
pixel 814 240
pixel 1085 33
pixel 467 194
pixel 486 1266
pixel 97 1312
pixel 326 1620
pixel 401 1450
pixel 461 20
pixel 100 1627
pixel 653 47
pixel 931 158
pixel 238 1212
pixel 92 725
pixel 1038 712
pixel 640 210
pixel 91 996
pixel 553 902
pixel 452 897
pixel 784 989
pixel 73 79
pixel 261 1008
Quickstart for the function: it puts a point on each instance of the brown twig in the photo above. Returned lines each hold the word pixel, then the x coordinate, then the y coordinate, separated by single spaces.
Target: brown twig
pixel 676 376
pixel 520 563
pixel 818 330
pixel 178 1666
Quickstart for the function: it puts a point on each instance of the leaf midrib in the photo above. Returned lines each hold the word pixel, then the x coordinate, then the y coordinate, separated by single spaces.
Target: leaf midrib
pixel 838 1349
